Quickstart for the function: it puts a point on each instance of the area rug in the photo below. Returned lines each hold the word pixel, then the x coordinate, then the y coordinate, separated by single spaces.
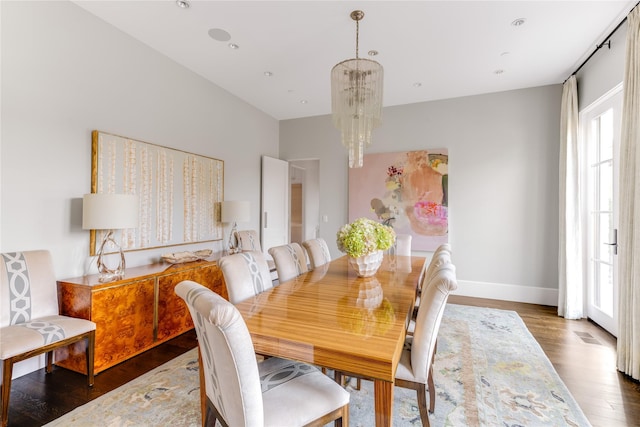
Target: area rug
pixel 489 371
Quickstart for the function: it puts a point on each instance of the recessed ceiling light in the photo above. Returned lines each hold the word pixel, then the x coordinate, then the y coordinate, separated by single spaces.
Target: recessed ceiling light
pixel 233 46
pixel 183 4
pixel 417 84
pixel 500 71
pixel 373 52
pixel 219 34
pixel 304 101
pixel 268 73
pixel 518 22
pixel 504 54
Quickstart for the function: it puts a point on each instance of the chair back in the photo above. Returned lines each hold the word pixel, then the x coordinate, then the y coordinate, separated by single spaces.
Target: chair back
pixel 445 247
pixel 246 274
pixel 290 261
pixel 403 244
pixel 231 377
pixel 318 252
pixel 433 301
pixel 248 240
pixel 27 287
pixel 437 261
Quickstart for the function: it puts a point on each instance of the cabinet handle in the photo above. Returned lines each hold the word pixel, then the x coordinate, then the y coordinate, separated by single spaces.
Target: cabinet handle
pixel 265 220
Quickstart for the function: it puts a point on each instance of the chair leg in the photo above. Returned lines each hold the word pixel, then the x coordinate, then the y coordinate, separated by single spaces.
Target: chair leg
pixel 338 378
pixel 49 367
pixel 430 383
pixel 89 355
pixel 203 391
pixel 7 372
pixel 432 390
pixel 422 405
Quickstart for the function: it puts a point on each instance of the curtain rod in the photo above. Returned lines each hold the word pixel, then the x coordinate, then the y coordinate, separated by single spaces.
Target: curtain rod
pixel 606 42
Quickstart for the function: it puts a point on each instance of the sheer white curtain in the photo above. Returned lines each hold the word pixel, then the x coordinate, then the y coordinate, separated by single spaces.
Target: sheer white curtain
pixel 570 256
pixel 629 223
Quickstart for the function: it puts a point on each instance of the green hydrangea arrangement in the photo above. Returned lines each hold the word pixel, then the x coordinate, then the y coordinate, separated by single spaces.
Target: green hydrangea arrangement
pixel 364 236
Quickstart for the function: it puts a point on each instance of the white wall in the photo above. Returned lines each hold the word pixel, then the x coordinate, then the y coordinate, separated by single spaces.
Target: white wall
pixel 503 185
pixel 65 73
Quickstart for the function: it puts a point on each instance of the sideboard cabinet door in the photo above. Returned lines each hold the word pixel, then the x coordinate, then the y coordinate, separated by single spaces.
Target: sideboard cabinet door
pixel 173 315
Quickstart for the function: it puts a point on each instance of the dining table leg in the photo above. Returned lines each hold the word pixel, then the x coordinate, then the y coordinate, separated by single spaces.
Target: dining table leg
pixel 383 392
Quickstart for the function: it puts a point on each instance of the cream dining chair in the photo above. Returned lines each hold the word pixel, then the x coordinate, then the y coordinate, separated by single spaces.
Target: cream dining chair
pixel 238 390
pixel 403 244
pixel 318 252
pixel 30 324
pixel 437 261
pixel 249 241
pixel 290 261
pixel 246 274
pixel 415 369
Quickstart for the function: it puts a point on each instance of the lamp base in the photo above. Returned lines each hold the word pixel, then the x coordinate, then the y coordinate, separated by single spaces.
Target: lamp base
pixel 110 274
pixel 233 243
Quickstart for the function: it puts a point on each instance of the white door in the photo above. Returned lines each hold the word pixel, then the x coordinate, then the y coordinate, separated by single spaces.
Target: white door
pixel 275 203
pixel 601 131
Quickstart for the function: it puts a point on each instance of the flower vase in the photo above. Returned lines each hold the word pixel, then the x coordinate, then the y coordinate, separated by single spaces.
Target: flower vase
pixel 366 265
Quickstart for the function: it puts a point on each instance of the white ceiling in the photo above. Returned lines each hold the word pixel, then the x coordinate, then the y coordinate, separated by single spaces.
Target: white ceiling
pixel 453 48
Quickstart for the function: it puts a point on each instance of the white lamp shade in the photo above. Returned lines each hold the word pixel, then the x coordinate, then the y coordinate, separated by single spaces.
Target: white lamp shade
pixel 109 211
pixel 235 211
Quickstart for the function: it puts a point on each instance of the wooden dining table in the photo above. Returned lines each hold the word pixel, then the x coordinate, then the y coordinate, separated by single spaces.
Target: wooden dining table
pixel 331 318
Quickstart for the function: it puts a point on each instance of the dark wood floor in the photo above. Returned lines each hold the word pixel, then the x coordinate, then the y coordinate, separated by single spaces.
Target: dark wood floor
pixel 582 353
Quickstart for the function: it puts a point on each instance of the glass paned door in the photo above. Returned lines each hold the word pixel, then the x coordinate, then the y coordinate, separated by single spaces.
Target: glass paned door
pixel 601 131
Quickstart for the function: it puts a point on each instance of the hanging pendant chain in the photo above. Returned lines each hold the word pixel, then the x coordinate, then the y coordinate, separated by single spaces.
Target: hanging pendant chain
pixel 357 37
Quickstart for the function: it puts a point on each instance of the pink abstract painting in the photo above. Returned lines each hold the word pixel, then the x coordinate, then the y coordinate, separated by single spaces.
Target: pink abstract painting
pixel 407 190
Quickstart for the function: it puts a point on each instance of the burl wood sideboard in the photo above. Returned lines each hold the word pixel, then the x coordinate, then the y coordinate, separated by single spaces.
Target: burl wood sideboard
pixel 133 314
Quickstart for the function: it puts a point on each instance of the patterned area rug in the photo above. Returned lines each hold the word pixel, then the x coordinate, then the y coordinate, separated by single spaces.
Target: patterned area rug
pixel 489 371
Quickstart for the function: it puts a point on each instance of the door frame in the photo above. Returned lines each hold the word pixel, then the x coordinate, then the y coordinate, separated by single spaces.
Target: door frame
pixel 611 99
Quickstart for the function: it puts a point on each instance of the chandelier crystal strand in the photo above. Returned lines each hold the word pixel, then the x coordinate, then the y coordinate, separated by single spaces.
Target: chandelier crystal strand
pixel 356 100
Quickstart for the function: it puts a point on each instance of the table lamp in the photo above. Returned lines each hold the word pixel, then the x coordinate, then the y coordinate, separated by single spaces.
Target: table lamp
pixel 234 211
pixel 109 212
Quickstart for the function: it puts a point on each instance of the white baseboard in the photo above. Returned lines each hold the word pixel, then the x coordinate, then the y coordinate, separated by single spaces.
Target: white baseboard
pixel 505 292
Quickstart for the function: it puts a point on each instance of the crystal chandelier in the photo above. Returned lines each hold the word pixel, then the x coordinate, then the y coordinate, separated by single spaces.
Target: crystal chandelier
pixel 356 99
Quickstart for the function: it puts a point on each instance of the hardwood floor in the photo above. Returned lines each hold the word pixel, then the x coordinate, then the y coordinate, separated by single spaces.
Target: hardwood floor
pixel 582 353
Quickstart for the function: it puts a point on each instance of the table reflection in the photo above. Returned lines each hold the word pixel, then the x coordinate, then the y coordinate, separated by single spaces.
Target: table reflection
pixel 364 310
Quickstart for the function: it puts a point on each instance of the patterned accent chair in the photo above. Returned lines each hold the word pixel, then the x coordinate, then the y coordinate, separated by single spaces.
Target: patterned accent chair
pixel 318 252
pixel 29 321
pixel 415 369
pixel 246 274
pixel 249 240
pixel 290 259
pixel 238 390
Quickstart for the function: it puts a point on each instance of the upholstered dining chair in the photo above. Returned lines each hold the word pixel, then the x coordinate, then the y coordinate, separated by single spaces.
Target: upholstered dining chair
pixel 318 252
pixel 290 261
pixel 439 260
pixel 415 369
pixel 440 256
pixel 246 274
pixel 238 390
pixel 248 240
pixel 30 324
pixel 403 244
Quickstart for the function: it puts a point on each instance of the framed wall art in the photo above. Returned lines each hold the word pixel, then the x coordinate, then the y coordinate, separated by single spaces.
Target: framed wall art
pixel 179 192
pixel 407 190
